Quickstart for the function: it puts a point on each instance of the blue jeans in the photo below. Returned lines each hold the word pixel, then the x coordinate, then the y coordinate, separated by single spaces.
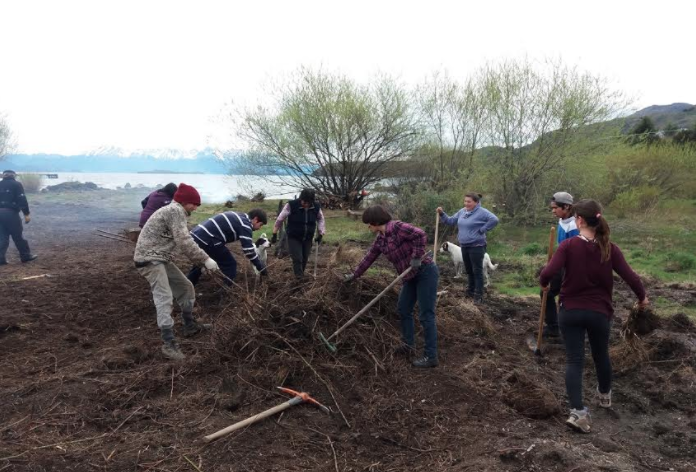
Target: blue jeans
pixel 421 288
pixel 221 255
pixel 574 324
pixel 473 263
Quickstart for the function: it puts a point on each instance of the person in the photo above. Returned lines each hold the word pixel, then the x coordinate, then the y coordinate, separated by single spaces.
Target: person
pixel 304 215
pixel 473 222
pixel 213 234
pixel 162 235
pixel 155 201
pixel 12 201
pixel 561 204
pixel 404 246
pixel 589 260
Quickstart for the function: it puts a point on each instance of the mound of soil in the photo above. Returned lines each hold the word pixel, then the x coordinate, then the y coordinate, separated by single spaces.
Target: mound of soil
pixel 73 187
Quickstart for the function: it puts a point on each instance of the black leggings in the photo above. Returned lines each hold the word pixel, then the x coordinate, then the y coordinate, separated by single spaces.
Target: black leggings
pixel 574 324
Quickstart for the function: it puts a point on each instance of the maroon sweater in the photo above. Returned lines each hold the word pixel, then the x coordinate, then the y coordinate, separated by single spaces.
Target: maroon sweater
pixel 588 283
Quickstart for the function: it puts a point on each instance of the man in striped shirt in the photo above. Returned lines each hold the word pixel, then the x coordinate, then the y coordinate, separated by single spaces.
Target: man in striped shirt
pixel 213 234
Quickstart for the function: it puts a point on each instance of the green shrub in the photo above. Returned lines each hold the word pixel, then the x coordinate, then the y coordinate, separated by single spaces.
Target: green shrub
pixel 679 262
pixel 31 182
pixel 643 198
pixel 533 249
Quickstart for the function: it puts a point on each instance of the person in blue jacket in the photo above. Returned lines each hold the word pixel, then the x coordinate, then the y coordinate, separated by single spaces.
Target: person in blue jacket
pixel 561 207
pixel 473 222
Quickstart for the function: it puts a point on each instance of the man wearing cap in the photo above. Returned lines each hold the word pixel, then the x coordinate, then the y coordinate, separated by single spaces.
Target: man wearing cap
pixel 163 234
pixel 12 201
pixel 561 204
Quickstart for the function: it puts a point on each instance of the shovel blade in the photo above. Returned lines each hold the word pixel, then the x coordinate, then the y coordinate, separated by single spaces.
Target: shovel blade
pixel 532 343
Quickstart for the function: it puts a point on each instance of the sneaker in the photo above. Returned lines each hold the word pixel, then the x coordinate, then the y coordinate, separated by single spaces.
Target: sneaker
pixel 604 399
pixel 195 328
pixel 468 294
pixel 404 350
pixel 30 257
pixel 426 361
pixel 478 300
pixel 171 350
pixel 579 420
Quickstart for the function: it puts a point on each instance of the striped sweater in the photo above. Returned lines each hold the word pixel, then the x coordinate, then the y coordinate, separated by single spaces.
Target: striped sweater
pixel 225 228
pixel 164 234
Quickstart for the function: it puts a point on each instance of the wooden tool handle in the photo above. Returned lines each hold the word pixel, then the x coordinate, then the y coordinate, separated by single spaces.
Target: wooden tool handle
pixel 253 419
pixel 437 227
pixel 545 295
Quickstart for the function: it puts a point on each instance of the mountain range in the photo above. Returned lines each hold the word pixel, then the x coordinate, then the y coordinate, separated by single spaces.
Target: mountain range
pixel 111 159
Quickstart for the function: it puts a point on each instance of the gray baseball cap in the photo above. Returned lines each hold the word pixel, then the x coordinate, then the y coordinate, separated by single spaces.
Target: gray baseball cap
pixel 564 198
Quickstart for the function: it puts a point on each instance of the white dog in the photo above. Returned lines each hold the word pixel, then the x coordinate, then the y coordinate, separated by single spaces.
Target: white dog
pixel 262 244
pixel 456 253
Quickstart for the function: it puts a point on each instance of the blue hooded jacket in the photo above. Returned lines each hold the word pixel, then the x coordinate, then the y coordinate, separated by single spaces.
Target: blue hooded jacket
pixel 473 225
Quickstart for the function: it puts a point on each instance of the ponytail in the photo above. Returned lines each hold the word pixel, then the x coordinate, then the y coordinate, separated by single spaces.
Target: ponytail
pixel 591 212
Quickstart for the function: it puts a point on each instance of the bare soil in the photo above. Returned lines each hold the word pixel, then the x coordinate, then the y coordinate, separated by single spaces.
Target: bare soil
pixel 83 385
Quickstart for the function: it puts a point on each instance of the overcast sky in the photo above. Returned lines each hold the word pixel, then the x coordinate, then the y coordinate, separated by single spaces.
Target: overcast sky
pixel 78 75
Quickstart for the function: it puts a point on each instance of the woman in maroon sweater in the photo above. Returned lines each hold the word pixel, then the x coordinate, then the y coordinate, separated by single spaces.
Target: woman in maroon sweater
pixel 589 260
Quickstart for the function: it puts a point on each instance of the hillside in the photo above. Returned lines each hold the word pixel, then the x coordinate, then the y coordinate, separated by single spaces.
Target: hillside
pixel 682 115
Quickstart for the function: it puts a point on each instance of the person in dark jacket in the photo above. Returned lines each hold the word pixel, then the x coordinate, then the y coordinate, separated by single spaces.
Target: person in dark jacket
pixel 304 215
pixel 156 200
pixel 589 260
pixel 12 201
pixel 473 222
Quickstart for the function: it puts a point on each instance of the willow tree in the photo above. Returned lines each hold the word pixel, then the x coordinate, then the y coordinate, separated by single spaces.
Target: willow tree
pixel 328 132
pixel 5 138
pixel 534 115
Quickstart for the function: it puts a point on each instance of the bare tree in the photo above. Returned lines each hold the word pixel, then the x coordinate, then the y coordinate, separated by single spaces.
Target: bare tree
pixel 327 132
pixel 534 114
pixel 452 116
pixel 6 143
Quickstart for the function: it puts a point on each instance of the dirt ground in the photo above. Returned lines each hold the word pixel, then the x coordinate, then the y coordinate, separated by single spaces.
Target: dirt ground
pixel 83 385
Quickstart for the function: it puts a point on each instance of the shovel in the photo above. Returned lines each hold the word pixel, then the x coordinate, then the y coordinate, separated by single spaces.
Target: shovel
pixel 327 341
pixel 437 226
pixel 316 260
pixel 535 344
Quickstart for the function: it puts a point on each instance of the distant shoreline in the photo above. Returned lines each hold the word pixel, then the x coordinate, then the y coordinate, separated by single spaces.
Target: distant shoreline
pixel 166 172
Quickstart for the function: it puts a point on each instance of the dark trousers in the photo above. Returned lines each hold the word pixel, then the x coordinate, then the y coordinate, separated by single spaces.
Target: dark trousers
pixel 423 289
pixel 473 263
pixel 299 253
pixel 11 226
pixel 221 255
pixel 551 317
pixel 574 324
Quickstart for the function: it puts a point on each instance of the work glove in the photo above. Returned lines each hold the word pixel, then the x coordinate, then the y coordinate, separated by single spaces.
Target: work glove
pixel 264 272
pixel 415 263
pixel 319 238
pixel 211 265
pixel 348 278
pixel 274 238
pixel 27 219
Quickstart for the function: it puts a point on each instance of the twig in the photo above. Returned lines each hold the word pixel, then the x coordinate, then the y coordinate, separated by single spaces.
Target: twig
pixel 171 392
pixel 333 450
pixel 53 445
pixel 124 421
pixel 192 464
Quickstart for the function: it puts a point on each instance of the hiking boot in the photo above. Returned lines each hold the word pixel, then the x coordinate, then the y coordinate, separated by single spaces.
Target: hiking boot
pixel 579 420
pixel 29 258
pixel 425 361
pixel 478 300
pixel 171 350
pixel 195 327
pixel 404 350
pixel 604 399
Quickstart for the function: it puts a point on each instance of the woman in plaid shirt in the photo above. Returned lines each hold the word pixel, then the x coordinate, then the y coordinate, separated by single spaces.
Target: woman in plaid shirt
pixel 404 246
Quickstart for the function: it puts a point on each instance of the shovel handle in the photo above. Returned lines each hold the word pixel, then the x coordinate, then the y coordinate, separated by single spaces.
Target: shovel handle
pixel 545 295
pixel 437 227
pixel 253 419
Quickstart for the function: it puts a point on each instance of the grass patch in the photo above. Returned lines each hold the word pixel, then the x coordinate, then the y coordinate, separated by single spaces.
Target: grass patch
pixel 665 307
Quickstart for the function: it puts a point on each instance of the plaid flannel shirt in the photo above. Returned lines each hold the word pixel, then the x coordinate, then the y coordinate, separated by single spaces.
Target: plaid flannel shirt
pixel 400 243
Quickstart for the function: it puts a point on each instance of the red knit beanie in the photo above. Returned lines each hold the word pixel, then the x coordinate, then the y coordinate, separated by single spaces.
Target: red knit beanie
pixel 187 194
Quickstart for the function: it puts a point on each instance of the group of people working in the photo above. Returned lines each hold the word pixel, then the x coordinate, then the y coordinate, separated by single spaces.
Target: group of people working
pixel 580 272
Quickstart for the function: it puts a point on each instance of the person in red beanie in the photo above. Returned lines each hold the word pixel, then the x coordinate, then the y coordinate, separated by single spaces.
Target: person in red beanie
pixel 164 233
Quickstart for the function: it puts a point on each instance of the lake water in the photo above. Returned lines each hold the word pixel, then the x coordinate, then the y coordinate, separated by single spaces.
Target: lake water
pixel 214 188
